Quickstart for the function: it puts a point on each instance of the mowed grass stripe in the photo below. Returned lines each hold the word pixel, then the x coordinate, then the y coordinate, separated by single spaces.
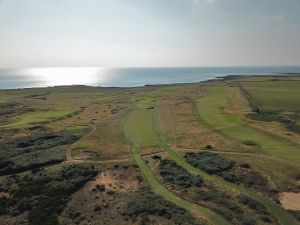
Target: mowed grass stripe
pixel 136 128
pixel 210 113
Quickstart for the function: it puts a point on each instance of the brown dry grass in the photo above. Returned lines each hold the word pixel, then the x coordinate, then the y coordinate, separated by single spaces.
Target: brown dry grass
pixel 192 134
pixel 281 174
pixel 107 142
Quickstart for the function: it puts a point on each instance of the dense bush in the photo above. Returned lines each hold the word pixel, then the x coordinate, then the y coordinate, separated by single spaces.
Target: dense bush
pixel 144 204
pixel 32 152
pixel 23 145
pixel 220 199
pixel 100 187
pixel 209 162
pixel 176 175
pixel 263 116
pixel 44 196
pixel 156 157
pixel 12 109
pixel 3 203
pixel 248 221
pixel 296 214
pixel 253 204
pixel 213 163
pixel 289 121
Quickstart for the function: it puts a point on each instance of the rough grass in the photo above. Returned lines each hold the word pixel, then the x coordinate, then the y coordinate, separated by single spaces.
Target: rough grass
pixel 145 101
pixel 282 175
pixel 105 140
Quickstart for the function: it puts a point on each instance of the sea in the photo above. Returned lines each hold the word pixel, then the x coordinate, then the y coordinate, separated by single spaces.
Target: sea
pixel 14 78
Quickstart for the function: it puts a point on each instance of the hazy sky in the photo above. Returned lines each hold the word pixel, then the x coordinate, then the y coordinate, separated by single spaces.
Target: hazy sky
pixel 120 33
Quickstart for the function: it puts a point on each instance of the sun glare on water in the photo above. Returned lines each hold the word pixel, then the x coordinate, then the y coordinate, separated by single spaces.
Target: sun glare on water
pixel 56 76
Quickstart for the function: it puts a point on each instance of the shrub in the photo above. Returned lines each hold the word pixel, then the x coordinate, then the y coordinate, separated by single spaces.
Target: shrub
pixel 210 162
pixel 156 157
pixel 248 221
pixel 141 205
pixel 245 165
pixel 100 187
pixel 266 219
pixel 44 197
pixel 111 192
pixel 253 204
pixel 209 147
pixel 249 143
pixel 176 175
pixel 97 208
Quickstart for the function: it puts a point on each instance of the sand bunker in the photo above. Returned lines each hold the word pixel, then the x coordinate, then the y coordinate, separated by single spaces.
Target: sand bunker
pixel 290 200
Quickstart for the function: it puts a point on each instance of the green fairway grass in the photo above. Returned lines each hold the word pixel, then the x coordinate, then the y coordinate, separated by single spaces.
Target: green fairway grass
pixel 138 128
pixel 210 112
pixel 32 119
pixel 274 95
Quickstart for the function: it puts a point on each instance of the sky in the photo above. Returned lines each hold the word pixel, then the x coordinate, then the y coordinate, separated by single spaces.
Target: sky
pixel 145 33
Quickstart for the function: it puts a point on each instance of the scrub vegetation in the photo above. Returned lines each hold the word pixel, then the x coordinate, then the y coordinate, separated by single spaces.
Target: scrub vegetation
pixel 215 153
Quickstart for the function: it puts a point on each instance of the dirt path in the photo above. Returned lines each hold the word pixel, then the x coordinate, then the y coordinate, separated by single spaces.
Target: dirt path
pixel 93 127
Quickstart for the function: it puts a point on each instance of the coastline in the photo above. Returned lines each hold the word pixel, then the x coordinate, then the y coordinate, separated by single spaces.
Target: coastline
pixel 217 78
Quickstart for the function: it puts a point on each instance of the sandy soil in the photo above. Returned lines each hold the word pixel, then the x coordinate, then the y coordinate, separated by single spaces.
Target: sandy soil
pixel 290 200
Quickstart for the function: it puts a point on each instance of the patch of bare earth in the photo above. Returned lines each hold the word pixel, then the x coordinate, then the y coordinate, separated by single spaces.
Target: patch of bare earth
pixel 290 200
pixel 150 151
pixel 104 206
pixel 4 194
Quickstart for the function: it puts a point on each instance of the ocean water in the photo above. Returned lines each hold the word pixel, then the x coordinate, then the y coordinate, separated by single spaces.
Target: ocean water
pixel 124 77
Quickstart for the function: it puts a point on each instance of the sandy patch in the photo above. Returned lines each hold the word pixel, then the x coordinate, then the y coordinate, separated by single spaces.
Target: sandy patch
pixel 4 194
pixel 118 180
pixel 290 200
